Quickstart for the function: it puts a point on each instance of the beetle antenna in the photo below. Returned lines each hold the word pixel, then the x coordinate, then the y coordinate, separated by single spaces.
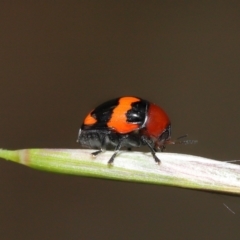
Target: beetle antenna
pixel 183 136
pixel 185 142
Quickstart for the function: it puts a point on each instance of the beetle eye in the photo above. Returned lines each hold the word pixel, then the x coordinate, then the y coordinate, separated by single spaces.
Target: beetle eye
pixel 166 135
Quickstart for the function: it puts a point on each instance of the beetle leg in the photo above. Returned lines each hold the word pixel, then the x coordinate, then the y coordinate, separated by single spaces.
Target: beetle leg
pixel 163 147
pixel 157 160
pixel 94 154
pixel 116 151
pixel 102 149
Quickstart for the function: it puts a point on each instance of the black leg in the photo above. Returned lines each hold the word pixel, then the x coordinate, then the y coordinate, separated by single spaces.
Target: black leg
pixel 162 148
pixel 94 154
pixel 103 148
pixel 115 152
pixel 157 160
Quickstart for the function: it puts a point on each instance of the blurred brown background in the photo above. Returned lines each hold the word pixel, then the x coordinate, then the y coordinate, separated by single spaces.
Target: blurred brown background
pixel 58 61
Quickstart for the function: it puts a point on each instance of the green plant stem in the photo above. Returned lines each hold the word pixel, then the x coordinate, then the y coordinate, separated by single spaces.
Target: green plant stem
pixel 175 169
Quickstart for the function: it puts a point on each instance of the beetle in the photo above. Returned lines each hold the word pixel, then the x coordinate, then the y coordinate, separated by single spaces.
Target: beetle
pixel 126 122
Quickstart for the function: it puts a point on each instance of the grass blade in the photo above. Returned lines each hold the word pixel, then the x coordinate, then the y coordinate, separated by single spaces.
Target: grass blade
pixel 177 170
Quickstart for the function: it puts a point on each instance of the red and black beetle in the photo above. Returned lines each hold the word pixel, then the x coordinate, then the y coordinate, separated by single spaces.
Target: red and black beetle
pixel 126 122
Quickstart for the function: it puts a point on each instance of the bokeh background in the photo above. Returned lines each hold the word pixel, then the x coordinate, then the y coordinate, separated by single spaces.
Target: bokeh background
pixel 59 60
